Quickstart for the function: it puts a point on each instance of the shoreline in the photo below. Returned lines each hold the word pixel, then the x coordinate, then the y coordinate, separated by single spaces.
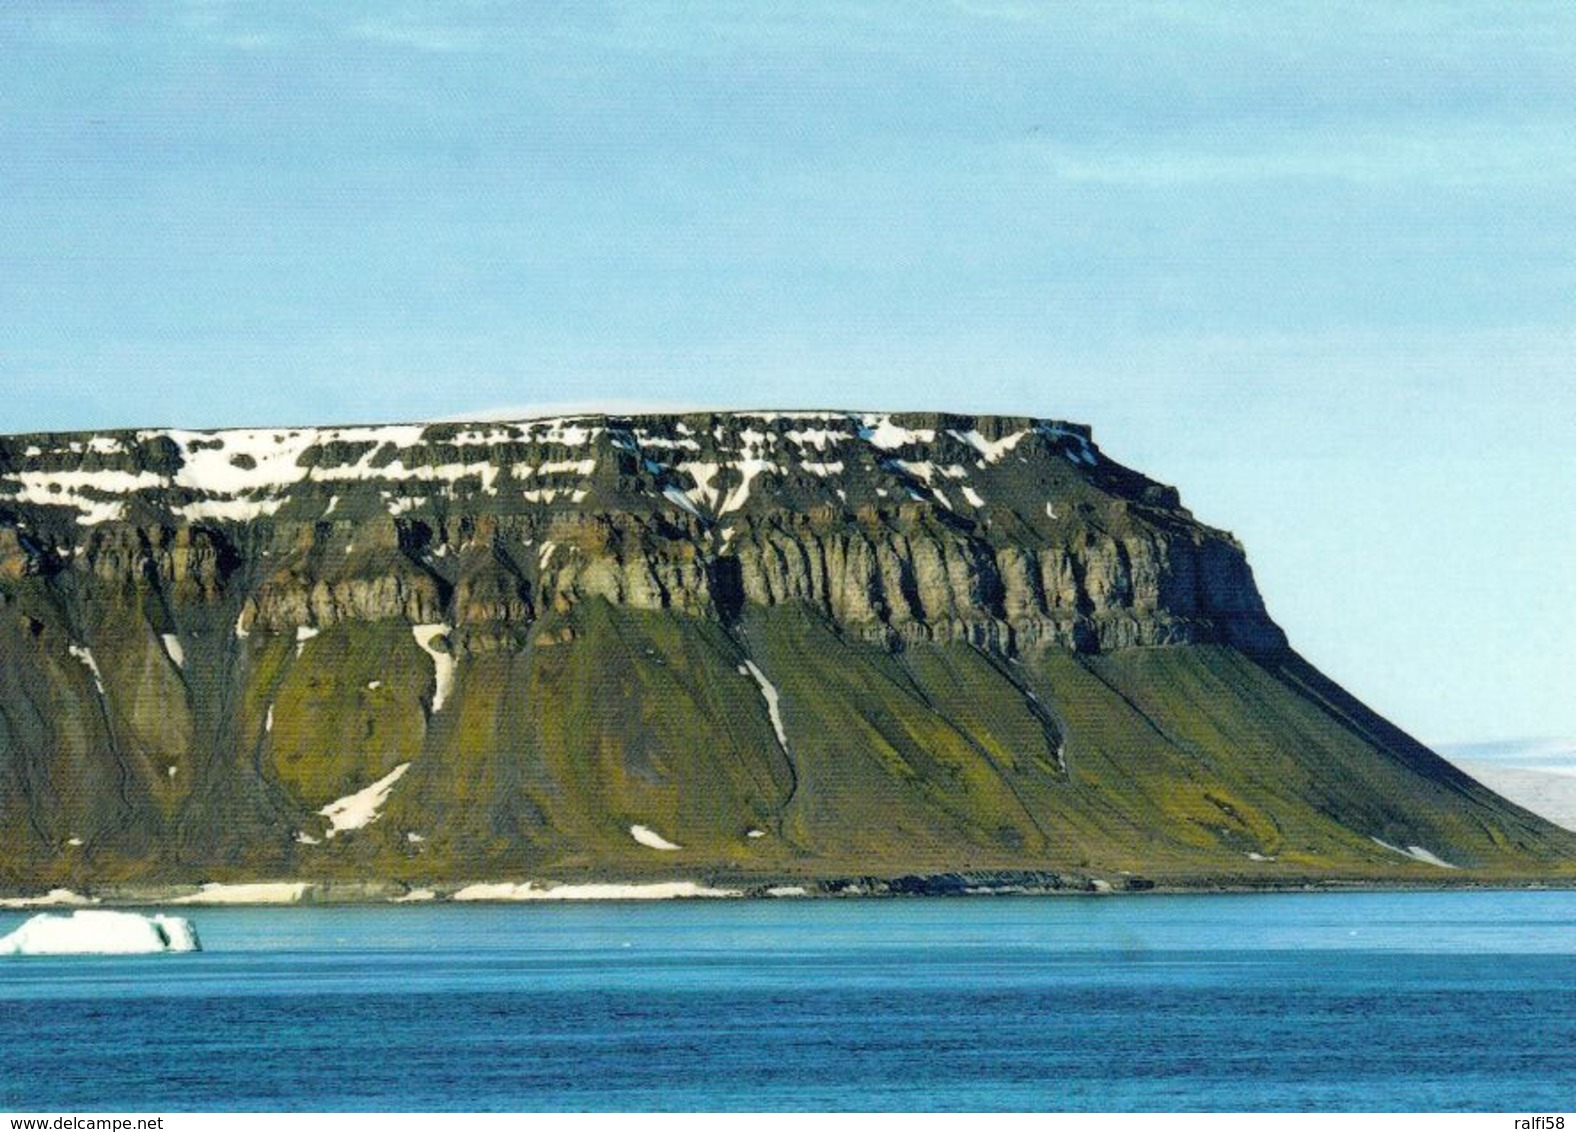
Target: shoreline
pixel 340 893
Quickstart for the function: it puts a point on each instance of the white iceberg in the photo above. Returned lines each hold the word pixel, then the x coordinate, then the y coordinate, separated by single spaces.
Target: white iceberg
pixel 101 933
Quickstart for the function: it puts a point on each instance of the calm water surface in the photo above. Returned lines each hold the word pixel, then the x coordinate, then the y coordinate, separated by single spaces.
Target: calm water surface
pixel 1366 1001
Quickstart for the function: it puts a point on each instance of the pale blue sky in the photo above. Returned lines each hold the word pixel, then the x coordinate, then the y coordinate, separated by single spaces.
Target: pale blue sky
pixel 1314 264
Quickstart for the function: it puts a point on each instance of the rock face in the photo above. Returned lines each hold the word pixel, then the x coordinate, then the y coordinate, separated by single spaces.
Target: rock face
pixel 788 643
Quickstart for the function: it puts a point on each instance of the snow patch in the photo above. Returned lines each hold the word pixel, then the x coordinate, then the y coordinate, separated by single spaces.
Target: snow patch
pixel 268 720
pixel 567 467
pixel 991 450
pixel 264 892
pixel 661 890
pixel 702 474
pixel 769 694
pixel 442 662
pixel 101 933
pixel 1080 451
pixel 303 634
pixel 400 506
pixel 749 468
pixel 675 495
pixel 55 897
pixel 881 432
pixel 487 438
pixel 85 655
pixel 568 431
pixel 1416 852
pixel 172 646
pixel 972 496
pixel 274 459
pixel 787 890
pixel 415 896
pixel 648 439
pixel 358 810
pixel 919 469
pixel 66 488
pixel 232 510
pixel 651 839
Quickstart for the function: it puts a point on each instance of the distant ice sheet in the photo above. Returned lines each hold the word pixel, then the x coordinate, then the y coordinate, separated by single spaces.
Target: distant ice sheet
pixel 1550 793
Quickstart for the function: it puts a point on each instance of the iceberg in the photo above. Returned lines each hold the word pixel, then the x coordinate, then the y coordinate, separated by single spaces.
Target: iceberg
pixel 101 933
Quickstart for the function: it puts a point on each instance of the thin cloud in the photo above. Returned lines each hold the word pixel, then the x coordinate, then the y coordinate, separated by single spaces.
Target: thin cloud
pixel 1463 155
pixel 429 38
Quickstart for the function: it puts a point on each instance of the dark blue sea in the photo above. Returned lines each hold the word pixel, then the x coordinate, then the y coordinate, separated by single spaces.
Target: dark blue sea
pixel 1360 1001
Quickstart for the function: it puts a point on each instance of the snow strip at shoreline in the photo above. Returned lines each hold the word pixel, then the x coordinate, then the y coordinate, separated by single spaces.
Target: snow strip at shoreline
pixel 55 897
pixel 274 892
pixel 661 890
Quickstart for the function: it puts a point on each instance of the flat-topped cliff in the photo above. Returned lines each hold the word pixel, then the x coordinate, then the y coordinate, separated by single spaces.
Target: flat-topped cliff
pixel 775 644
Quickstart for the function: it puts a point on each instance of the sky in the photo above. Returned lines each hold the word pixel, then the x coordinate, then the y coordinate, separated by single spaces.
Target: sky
pixel 1313 264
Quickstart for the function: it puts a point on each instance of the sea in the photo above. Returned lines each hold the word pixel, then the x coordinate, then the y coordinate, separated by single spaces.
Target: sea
pixel 1370 1001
